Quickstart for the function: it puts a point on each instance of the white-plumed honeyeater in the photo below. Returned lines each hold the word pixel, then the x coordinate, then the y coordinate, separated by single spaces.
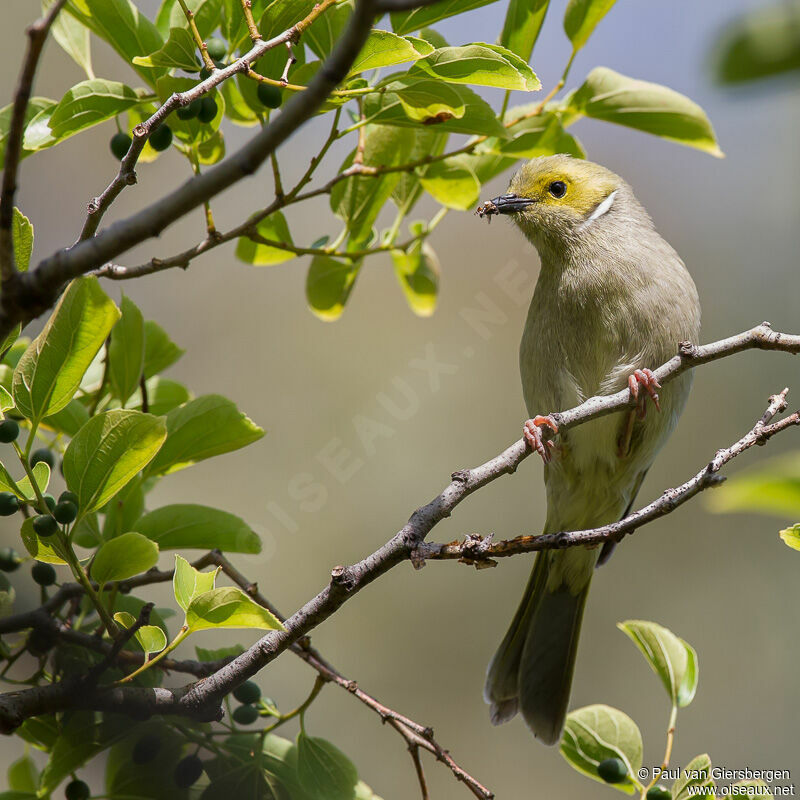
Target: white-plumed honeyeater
pixel 613 300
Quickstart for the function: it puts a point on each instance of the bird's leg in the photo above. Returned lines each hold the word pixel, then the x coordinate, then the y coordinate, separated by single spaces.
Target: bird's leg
pixel 648 380
pixel 532 433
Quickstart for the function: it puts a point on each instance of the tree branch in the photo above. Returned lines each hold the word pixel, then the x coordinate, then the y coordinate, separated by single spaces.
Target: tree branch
pixel 25 295
pixel 37 36
pixel 202 700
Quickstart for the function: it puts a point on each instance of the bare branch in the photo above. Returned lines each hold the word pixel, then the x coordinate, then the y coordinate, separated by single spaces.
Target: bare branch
pixel 201 700
pixel 37 36
pixel 479 551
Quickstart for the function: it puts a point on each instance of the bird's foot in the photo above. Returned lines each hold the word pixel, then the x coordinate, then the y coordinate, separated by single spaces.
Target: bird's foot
pixel 650 384
pixel 532 433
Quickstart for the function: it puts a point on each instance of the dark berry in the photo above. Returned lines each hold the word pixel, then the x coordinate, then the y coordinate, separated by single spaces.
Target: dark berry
pixel 659 793
pixel 612 770
pixel 9 560
pixel 41 642
pixel 161 138
pixel 219 64
pixel 43 574
pixel 205 73
pixel 9 430
pixel 65 512
pixel 245 715
pixel 49 501
pixel 68 497
pixel 43 454
pixel 190 111
pixel 77 790
pixel 9 504
pixel 208 109
pixel 248 693
pixel 146 749
pixel 45 525
pixel 269 95
pixel 187 771
pixel 120 144
pixel 216 48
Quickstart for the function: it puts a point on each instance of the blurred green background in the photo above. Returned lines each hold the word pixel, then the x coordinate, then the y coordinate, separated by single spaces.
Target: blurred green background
pixel 420 641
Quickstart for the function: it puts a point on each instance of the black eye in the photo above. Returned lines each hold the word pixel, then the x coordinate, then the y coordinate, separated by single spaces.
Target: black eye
pixel 557 188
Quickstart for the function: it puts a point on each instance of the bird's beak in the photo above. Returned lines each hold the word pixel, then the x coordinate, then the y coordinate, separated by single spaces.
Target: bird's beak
pixel 510 203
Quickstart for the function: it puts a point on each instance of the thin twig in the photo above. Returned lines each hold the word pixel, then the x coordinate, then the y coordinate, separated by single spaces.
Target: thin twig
pixel 252 28
pixel 37 36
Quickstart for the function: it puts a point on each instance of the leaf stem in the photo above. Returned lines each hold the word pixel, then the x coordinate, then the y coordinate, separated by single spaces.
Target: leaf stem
pixel 181 635
pixel 198 39
pixel 673 716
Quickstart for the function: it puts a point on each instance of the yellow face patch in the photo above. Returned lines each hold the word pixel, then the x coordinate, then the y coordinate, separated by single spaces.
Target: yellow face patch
pixel 563 184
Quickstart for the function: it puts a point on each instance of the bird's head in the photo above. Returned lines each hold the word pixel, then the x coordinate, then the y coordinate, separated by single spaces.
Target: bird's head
pixel 557 200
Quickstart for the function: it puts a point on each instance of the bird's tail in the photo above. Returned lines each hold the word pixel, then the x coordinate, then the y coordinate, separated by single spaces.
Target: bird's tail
pixel 532 669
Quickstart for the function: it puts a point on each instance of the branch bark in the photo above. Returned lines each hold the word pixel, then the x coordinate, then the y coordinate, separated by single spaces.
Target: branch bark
pixel 26 295
pixel 202 700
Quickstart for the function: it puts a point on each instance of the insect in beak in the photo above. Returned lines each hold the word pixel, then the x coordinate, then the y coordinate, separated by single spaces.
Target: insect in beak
pixel 505 204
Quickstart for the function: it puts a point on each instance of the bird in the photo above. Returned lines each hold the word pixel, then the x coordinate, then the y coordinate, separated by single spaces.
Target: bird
pixel 612 302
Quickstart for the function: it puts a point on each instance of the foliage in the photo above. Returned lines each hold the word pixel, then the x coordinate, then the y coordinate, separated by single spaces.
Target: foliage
pixel 422 118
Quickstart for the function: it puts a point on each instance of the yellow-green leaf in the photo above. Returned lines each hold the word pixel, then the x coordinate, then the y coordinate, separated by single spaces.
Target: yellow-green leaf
pixel 228 607
pixel 123 557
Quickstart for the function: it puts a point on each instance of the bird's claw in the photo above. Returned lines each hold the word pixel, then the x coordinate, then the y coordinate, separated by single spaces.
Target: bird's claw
pixel 532 433
pixel 650 383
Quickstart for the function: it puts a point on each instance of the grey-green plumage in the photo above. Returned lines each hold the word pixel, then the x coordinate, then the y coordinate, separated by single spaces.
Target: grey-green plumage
pixel 612 297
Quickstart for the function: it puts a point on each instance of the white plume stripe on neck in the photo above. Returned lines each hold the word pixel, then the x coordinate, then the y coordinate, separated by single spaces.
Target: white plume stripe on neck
pixel 602 208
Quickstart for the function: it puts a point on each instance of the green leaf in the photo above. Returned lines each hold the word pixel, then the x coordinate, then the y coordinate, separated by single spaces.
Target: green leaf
pixel 771 487
pixel 123 26
pixel 200 527
pixel 204 427
pixel 228 607
pixel 695 775
pixel 123 510
pixel 324 771
pixel 50 371
pixel 581 18
pixel 73 39
pixel 207 15
pixel 417 272
pixel 409 21
pixel 38 135
pixel 23 775
pixel 48 550
pixel 163 395
pixel 126 351
pixel 594 733
pixel 178 52
pixel 22 232
pixel 671 658
pixel 755 788
pixel 385 49
pixel 358 199
pixel 211 150
pixel 648 107
pixel 188 582
pixel 411 99
pixel 124 557
pixel 427 142
pixel 531 137
pixel 522 25
pixel 791 536
pixel 232 777
pixel 108 451
pixel 127 780
pixel 69 420
pixel 481 64
pixel 763 43
pixel 327 28
pixel 41 474
pixel 272 228
pixel 149 637
pixel 452 183
pixel 36 107
pixel 160 351
pixel 6 400
pixel 89 103
pixel 218 653
pixel 328 286
pixel 80 739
